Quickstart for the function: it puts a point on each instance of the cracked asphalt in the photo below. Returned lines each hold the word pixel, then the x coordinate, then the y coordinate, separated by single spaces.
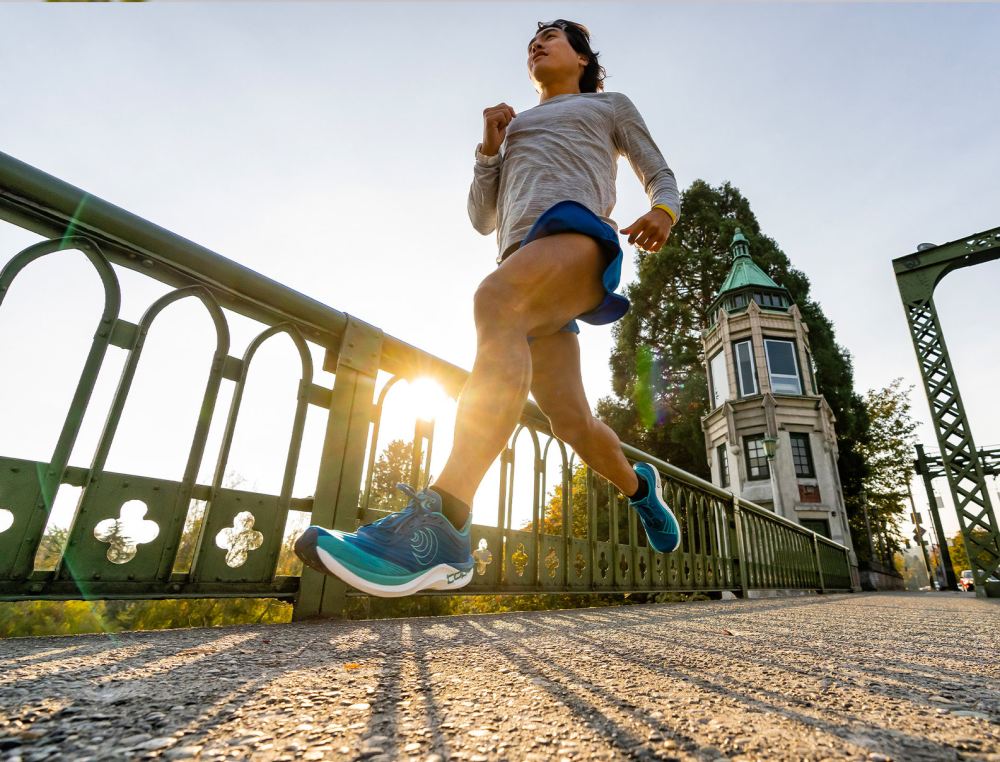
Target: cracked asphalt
pixel 882 676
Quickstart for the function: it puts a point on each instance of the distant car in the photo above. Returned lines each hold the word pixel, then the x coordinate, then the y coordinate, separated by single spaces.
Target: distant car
pixel 966 581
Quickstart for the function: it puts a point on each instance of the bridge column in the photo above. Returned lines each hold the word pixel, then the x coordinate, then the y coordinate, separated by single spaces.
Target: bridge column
pixel 338 486
pixel 916 276
pixel 923 468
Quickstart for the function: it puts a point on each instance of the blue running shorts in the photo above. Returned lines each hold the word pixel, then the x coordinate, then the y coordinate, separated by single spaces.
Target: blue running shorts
pixel 573 217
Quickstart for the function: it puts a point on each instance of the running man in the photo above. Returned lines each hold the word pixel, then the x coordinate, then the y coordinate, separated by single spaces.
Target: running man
pixel 544 180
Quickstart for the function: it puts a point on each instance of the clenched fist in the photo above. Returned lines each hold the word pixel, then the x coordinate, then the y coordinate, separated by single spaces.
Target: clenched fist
pixel 495 121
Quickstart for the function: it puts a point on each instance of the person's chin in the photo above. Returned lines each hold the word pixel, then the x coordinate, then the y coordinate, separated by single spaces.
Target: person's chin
pixel 540 72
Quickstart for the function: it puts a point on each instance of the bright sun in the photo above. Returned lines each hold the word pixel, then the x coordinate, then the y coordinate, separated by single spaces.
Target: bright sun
pixel 426 399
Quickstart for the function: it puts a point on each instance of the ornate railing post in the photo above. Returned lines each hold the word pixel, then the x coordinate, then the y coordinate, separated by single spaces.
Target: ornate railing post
pixel 338 486
pixel 741 550
pixel 819 563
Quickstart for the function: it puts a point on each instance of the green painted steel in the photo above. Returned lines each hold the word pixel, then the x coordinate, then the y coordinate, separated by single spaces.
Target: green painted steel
pixel 745 273
pixel 917 275
pixel 126 535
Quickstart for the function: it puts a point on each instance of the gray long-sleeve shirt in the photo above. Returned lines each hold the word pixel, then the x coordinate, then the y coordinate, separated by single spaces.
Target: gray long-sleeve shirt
pixel 566 148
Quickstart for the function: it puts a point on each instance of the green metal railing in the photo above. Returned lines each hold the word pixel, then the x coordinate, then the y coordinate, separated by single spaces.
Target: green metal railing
pixel 728 543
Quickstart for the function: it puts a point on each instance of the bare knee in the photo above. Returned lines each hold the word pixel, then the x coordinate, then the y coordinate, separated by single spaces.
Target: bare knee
pixel 496 305
pixel 570 425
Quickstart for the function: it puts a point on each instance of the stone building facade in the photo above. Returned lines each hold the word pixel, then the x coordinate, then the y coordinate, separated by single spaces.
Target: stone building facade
pixel 763 399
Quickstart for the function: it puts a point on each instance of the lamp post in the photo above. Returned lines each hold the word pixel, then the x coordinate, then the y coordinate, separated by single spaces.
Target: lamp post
pixel 770 448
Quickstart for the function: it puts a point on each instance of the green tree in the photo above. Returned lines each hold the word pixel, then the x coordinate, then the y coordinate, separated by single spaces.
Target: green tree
pixel 393 466
pixel 51 547
pixel 960 552
pixel 888 456
pixel 552 514
pixel 658 376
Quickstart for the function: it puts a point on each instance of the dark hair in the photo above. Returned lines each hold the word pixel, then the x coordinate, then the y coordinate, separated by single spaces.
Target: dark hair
pixel 592 79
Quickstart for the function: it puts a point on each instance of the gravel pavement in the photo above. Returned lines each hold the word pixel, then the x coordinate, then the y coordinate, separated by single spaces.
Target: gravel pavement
pixel 870 677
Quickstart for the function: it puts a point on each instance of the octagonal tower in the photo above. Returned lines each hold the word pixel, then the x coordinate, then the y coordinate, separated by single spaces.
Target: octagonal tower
pixel 770 435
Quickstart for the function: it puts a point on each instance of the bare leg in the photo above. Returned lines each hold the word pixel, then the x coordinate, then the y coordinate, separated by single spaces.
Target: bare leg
pixel 534 292
pixel 557 387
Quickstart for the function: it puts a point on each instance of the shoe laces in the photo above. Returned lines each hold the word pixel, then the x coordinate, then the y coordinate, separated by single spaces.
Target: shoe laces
pixel 417 508
pixel 654 519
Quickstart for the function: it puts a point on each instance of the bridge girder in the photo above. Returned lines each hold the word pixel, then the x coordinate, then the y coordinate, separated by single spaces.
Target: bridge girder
pixel 917 275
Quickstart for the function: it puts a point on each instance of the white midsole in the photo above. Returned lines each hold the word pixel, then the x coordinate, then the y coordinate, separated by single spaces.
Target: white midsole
pixel 659 484
pixel 441 577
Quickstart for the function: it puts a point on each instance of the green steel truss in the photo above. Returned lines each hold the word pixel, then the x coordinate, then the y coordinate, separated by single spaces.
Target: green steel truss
pixel 917 275
pixel 729 544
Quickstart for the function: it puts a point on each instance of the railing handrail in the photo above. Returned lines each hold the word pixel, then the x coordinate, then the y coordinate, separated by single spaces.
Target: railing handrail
pixel 49 206
pixel 55 205
pixel 53 208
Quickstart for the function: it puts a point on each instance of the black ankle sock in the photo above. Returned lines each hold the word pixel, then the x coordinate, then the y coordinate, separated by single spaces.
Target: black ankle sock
pixel 453 509
pixel 641 491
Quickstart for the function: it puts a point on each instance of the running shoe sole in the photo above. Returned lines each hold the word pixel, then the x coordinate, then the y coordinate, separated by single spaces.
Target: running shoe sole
pixel 440 577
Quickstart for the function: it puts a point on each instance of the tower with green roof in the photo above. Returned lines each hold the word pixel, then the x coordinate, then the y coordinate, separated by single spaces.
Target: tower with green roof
pixel 770 436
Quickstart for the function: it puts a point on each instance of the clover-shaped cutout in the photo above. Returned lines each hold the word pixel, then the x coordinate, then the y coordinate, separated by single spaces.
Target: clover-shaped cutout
pixel 483 556
pixel 239 539
pixel 519 559
pixel 552 562
pixel 6 520
pixel 125 534
pixel 580 564
pixel 602 564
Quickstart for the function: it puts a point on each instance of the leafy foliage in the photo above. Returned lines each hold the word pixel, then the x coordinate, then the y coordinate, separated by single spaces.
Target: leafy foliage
pixel 888 455
pixel 393 466
pixel 960 552
pixel 552 515
pixel 658 375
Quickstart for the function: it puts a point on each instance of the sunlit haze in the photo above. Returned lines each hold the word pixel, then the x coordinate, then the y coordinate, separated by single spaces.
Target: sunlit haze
pixel 329 146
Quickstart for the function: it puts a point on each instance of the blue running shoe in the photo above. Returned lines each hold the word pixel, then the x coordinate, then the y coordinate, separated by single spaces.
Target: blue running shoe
pixel 661 525
pixel 401 554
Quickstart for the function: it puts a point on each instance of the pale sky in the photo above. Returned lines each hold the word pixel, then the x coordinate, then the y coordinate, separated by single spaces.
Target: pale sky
pixel 330 145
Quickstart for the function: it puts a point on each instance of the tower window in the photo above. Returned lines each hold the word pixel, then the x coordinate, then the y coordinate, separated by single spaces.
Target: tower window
pixel 720 379
pixel 782 367
pixel 802 455
pixel 745 369
pixel 720 452
pixel 819 526
pixel 756 458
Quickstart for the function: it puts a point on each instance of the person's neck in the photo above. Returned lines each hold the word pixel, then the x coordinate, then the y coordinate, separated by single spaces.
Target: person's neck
pixel 562 87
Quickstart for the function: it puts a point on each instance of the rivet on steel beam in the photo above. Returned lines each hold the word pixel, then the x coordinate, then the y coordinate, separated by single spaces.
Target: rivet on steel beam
pixel 147 263
pixel 97 575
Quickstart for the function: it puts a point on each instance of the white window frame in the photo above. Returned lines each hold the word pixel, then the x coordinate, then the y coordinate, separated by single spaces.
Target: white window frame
pixel 720 387
pixel 725 476
pixel 744 392
pixel 783 376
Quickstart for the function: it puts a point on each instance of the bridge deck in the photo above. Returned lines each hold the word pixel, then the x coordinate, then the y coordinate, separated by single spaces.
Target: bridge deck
pixel 877 676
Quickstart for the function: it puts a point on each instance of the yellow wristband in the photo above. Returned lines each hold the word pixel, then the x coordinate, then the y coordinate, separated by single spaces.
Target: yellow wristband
pixel 668 210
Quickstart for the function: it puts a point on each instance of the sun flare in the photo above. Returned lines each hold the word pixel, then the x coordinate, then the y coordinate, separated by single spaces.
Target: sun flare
pixel 426 399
